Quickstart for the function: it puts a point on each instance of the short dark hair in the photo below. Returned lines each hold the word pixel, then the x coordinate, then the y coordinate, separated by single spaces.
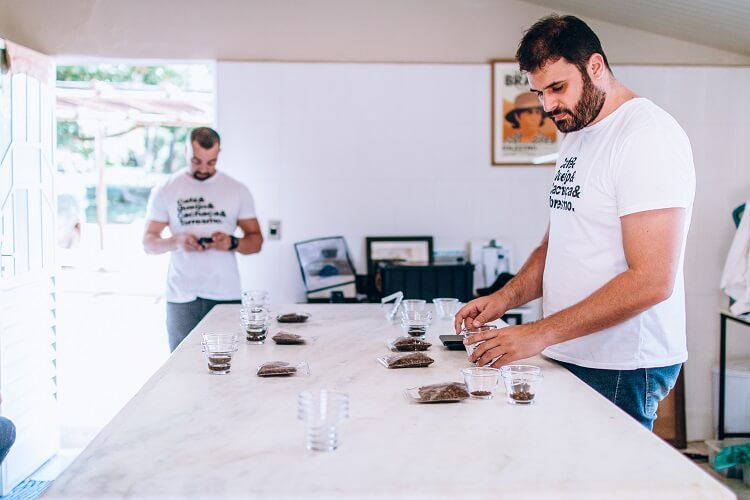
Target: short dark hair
pixel 554 37
pixel 205 137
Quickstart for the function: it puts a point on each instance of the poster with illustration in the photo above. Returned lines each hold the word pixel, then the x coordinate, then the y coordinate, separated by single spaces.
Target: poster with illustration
pixel 522 133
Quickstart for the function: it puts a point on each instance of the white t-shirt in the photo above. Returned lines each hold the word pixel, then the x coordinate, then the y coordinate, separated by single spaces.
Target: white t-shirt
pixel 201 208
pixel 636 159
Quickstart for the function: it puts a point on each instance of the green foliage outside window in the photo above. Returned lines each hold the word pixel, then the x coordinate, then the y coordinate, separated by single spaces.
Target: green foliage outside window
pixel 135 155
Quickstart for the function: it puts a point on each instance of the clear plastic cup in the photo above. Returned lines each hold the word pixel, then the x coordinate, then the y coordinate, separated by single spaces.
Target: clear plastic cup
pixel 416 323
pixel 521 383
pixel 323 412
pixel 446 308
pixel 481 382
pixel 255 322
pixel 219 350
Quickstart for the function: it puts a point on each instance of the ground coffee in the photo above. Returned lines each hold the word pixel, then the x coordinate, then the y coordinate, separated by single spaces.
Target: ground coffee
pixel 415 360
pixel 286 338
pixel 450 391
pixel 410 344
pixel 276 369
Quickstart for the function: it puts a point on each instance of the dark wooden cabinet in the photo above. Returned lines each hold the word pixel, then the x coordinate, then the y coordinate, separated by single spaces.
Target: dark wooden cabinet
pixel 428 281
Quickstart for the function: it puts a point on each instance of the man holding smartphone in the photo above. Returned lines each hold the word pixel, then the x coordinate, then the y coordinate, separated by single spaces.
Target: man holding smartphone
pixel 202 208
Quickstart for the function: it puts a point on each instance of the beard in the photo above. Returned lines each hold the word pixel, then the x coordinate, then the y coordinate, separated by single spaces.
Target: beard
pixel 586 109
pixel 200 176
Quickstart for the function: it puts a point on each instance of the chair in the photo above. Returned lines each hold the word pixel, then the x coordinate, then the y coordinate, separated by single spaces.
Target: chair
pixel 327 270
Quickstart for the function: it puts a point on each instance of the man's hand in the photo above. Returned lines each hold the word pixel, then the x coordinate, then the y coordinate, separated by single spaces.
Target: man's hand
pixel 188 243
pixel 479 311
pixel 222 241
pixel 507 345
pixel 154 243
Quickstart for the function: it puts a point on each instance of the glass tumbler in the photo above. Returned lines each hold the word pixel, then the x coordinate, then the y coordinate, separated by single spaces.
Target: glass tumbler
pixel 255 299
pixel 481 382
pixel 446 308
pixel 521 383
pixel 416 323
pixel 413 305
pixel 255 322
pixel 219 349
pixel 467 332
pixel 323 412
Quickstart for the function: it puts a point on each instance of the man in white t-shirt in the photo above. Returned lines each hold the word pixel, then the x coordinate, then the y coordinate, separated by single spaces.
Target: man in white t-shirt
pixel 609 268
pixel 202 208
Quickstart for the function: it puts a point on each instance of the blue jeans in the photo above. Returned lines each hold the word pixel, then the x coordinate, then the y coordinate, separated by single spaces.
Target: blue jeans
pixel 636 392
pixel 7 437
pixel 182 317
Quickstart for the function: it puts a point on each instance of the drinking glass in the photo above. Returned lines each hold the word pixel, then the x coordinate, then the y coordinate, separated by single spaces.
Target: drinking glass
pixel 467 332
pixel 219 350
pixel 255 299
pixel 521 383
pixel 255 323
pixel 446 308
pixel 416 323
pixel 413 305
pixel 323 413
pixel 480 381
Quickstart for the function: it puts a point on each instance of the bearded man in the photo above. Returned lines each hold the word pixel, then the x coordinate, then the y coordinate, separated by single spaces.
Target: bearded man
pixel 610 266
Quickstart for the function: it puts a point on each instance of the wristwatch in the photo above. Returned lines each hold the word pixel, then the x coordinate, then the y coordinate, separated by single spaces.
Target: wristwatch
pixel 235 242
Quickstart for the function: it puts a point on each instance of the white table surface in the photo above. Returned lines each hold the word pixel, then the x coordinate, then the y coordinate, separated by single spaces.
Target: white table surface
pixel 188 433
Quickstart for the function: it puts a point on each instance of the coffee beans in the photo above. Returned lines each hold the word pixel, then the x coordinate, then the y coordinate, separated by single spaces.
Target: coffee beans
pixel 522 396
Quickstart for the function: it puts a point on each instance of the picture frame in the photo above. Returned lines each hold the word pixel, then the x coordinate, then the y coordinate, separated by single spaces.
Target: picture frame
pixel 397 249
pixel 522 134
pixel 325 265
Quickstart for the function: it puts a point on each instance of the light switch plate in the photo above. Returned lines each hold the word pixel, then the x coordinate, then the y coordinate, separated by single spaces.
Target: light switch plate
pixel 274 229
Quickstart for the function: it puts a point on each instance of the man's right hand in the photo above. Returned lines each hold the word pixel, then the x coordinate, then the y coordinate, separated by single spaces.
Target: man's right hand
pixel 480 311
pixel 188 243
pixel 155 243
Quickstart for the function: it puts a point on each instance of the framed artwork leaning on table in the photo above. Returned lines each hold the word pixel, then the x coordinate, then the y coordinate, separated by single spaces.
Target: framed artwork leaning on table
pixel 326 266
pixel 522 133
pixel 415 250
pixel 397 249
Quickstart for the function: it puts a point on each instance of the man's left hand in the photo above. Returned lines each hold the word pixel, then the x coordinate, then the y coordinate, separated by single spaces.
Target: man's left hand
pixel 507 345
pixel 222 241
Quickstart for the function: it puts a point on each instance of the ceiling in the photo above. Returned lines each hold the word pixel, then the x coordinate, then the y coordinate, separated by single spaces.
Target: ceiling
pixel 707 32
pixel 722 24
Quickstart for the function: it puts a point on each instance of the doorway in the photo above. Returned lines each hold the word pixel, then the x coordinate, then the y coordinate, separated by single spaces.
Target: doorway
pixel 121 129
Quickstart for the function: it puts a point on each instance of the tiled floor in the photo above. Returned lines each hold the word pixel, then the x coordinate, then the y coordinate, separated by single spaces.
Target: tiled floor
pixel 95 310
pixel 736 485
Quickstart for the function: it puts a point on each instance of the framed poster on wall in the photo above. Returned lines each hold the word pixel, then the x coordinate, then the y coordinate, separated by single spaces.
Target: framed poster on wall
pixel 522 133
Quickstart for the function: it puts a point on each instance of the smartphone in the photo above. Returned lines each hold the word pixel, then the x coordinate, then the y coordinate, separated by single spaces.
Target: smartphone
pixel 452 342
pixel 203 241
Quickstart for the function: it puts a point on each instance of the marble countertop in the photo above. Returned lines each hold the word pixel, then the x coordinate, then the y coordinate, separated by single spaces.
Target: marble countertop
pixel 190 434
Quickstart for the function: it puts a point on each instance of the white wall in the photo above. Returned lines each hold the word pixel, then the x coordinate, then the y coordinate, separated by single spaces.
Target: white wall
pixel 366 149
pixel 715 117
pixel 370 149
